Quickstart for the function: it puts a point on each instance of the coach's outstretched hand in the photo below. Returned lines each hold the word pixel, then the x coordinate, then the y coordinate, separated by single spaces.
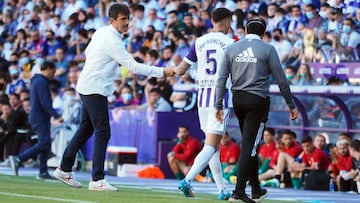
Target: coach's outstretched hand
pixel 169 71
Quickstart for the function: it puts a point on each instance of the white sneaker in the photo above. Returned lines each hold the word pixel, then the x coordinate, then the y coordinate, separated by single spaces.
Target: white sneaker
pixel 101 185
pixel 5 163
pixel 67 178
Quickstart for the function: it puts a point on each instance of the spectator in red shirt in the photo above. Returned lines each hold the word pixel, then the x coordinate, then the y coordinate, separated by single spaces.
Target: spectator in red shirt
pixel 229 155
pixel 281 160
pixel 184 152
pixel 341 166
pixel 312 159
pixel 267 149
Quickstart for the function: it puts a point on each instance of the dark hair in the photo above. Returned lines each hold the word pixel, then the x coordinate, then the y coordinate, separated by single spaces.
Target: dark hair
pixel 152 81
pixel 47 65
pixel 117 9
pixel 294 7
pixel 140 7
pixel 350 20
pixel 143 50
pixel 184 126
pixel 173 12
pixel 267 34
pixel 348 135
pixel 25 91
pixel 220 14
pixel 334 80
pixel 73 63
pixel 256 25
pixel 70 89
pixel 289 132
pixel 278 30
pixel 355 144
pixel 155 89
pixel 270 130
pixel 83 33
pixel 153 53
pixel 15 95
pixel 4 99
pixel 312 6
pixel 27 99
pixel 306 139
pixel 24 51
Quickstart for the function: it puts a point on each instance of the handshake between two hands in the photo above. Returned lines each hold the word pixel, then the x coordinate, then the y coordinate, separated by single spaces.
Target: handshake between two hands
pixel 169 71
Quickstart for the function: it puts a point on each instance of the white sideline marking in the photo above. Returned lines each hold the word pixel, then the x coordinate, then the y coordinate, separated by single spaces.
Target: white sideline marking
pixel 42 197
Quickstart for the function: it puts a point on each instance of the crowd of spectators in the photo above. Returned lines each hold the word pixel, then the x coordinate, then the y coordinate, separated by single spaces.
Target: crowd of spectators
pixel 160 33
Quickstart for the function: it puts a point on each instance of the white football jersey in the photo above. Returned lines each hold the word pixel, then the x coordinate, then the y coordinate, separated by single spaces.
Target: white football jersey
pixel 208 52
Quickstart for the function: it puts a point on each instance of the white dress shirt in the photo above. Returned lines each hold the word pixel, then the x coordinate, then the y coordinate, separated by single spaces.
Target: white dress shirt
pixel 104 53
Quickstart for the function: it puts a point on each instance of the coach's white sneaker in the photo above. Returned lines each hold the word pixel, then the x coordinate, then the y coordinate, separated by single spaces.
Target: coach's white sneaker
pixel 67 178
pixel 101 185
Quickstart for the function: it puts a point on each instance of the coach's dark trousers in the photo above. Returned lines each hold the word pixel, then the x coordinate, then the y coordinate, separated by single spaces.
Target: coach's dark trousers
pixel 42 147
pixel 251 111
pixel 94 118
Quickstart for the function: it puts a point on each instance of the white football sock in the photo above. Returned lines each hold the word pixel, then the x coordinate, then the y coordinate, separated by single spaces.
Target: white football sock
pixel 216 170
pixel 200 162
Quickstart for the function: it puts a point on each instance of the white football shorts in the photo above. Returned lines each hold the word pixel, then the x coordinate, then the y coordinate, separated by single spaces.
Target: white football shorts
pixel 208 122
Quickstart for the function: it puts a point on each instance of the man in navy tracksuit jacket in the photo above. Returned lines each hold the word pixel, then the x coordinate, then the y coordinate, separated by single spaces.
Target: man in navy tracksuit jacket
pixel 41 111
